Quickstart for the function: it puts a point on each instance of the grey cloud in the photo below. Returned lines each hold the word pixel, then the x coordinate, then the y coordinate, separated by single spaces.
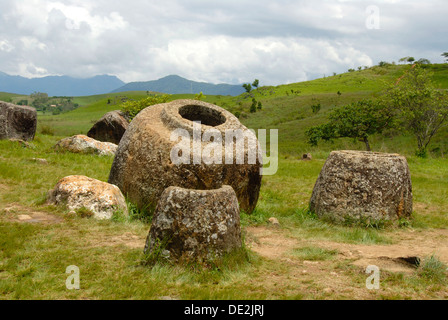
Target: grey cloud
pixel 226 41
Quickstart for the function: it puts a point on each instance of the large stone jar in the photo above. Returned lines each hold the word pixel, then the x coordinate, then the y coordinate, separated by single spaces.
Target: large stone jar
pixel 17 122
pixel 143 166
pixel 195 225
pixel 363 186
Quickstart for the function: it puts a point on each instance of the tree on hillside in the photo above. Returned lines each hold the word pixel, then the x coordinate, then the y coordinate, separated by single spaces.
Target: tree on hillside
pixel 248 87
pixel 423 109
pixel 40 99
pixel 407 59
pixel 255 83
pixel 383 64
pixel 423 61
pixel 358 120
pixel 445 54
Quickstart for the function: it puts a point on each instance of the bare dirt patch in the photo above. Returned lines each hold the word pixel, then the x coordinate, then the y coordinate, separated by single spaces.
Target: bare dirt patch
pixel 274 244
pixel 17 213
pixel 310 279
pixel 127 239
pixel 326 278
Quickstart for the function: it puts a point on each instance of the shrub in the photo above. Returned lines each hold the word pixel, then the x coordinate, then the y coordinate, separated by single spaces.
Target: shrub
pixel 432 269
pixel 253 107
pixel 132 108
pixel 316 107
pixel 47 130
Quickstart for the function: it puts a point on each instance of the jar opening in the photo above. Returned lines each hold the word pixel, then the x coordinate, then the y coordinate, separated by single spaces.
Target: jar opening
pixel 206 116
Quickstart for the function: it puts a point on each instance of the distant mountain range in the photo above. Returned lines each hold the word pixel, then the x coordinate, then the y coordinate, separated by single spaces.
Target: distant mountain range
pixel 174 84
pixel 59 85
pixel 68 86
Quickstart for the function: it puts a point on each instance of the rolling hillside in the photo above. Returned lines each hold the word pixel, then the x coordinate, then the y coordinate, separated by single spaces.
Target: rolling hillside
pixel 285 107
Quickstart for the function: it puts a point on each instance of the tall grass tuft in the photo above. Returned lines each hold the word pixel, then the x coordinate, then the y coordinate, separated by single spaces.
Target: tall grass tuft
pixel 433 269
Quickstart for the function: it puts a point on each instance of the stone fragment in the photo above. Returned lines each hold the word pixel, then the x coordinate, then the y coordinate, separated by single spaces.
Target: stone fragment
pixel 80 192
pixel 86 145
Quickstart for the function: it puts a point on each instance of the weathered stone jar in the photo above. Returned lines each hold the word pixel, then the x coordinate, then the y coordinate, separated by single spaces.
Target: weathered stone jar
pixel 359 185
pixel 195 225
pixel 110 128
pixel 17 122
pixel 143 166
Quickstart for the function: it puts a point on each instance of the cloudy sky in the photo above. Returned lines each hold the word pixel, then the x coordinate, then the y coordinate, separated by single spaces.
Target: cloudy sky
pixel 226 41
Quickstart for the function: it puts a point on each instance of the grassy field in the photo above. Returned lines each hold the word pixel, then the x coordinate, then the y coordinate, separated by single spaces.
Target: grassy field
pixel 302 258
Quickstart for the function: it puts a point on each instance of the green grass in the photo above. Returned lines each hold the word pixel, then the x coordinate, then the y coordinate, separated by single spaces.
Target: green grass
pixel 314 253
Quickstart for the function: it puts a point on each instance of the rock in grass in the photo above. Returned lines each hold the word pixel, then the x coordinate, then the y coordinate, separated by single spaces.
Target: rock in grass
pixel 363 186
pixel 110 128
pixel 274 221
pixel 195 225
pixel 39 161
pixel 83 193
pixel 17 122
pixel 307 157
pixel 86 145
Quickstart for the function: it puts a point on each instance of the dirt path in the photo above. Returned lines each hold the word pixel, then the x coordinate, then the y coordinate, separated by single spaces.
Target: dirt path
pixel 275 244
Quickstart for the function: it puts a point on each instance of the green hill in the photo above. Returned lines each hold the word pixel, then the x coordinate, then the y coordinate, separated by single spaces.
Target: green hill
pixel 285 107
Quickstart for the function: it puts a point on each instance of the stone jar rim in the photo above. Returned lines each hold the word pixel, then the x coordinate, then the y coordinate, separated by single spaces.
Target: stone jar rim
pixel 223 187
pixel 173 116
pixel 369 153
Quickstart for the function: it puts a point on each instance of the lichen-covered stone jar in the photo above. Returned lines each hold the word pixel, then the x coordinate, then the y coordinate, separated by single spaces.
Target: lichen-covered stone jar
pixel 363 186
pixel 143 166
pixel 195 225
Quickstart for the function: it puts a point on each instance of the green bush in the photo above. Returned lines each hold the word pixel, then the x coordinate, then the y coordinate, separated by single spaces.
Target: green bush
pixel 316 107
pixel 47 130
pixel 132 107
